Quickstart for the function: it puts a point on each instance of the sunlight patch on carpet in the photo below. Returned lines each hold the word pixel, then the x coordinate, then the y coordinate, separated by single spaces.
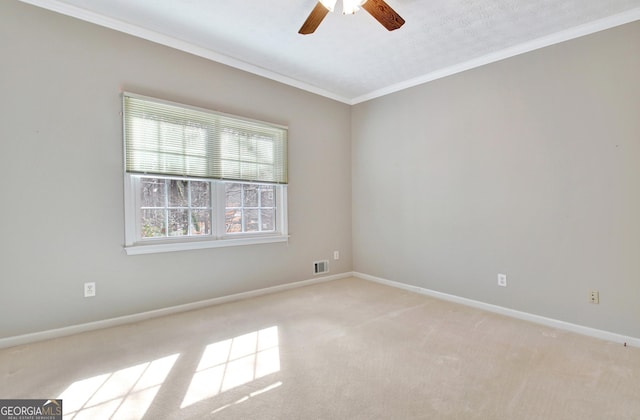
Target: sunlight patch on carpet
pixel 123 394
pixel 233 362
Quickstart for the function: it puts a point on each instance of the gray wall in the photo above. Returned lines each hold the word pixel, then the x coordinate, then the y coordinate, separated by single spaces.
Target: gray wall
pixel 529 167
pixel 61 207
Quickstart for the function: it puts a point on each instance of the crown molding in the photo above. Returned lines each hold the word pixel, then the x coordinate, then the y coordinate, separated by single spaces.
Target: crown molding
pixel 140 32
pixel 546 41
pixel 178 44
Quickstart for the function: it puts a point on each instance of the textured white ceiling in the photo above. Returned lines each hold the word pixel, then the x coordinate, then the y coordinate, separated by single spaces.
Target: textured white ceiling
pixel 352 58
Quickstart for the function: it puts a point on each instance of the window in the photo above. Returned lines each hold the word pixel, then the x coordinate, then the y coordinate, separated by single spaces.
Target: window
pixel 172 208
pixel 199 179
pixel 250 208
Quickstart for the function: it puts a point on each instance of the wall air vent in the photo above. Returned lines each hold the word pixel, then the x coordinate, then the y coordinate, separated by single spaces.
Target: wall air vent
pixel 320 267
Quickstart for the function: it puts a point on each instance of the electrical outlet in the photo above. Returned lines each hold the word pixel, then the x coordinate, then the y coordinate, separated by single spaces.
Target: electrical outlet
pixel 595 297
pixel 502 280
pixel 336 255
pixel 89 289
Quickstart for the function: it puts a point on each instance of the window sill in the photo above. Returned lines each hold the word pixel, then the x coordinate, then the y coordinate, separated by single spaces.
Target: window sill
pixel 154 248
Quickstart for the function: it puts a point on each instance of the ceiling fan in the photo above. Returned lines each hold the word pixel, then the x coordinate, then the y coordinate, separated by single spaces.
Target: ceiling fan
pixel 376 8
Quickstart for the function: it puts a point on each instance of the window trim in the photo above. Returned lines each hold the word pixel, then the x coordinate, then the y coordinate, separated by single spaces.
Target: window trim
pixel 135 244
pixel 218 238
pixel 140 249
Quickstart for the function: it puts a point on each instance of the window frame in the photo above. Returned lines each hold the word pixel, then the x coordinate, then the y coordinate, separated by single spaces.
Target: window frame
pixel 134 242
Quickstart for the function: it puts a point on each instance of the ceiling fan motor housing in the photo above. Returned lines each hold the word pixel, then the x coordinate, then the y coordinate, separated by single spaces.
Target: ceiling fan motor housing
pixel 376 8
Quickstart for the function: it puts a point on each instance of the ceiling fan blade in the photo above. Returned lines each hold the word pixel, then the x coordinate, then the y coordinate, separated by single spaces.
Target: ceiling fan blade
pixel 313 21
pixel 383 14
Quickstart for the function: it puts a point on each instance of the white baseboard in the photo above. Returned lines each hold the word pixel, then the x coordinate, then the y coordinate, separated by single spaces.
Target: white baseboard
pixel 549 322
pixel 127 319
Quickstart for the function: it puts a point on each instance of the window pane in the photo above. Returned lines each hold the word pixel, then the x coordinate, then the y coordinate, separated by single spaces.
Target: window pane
pixel 170 138
pixel 201 222
pixel 268 220
pixel 152 223
pixel 267 197
pixel 233 221
pixel 247 148
pixel 265 150
pixel 195 141
pixel 230 145
pixel 249 170
pixel 200 195
pixel 178 222
pixel 265 172
pixel 152 192
pixel 181 208
pixel 251 221
pixel 250 195
pixel 250 208
pixel 233 195
pixel 230 169
pixel 178 195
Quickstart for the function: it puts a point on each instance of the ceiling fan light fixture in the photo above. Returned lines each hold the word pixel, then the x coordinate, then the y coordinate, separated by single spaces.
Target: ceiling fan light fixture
pixel 349 7
pixel 379 9
pixel 329 4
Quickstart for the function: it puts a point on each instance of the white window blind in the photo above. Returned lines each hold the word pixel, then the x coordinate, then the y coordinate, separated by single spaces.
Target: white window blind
pixel 166 138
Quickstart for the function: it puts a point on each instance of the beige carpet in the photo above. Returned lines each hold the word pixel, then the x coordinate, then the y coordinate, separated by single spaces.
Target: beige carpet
pixel 347 349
